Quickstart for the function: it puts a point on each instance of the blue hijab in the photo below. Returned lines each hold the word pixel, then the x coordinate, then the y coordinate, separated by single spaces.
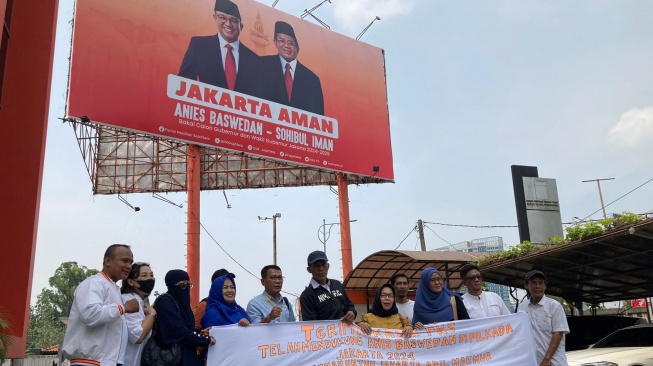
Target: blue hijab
pixel 431 307
pixel 218 312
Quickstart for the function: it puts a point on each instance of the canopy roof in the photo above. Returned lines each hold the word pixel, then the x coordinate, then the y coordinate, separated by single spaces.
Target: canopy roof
pixel 378 268
pixel 617 265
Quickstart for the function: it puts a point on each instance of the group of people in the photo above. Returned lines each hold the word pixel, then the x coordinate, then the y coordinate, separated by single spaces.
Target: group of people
pixel 109 325
pixel 222 60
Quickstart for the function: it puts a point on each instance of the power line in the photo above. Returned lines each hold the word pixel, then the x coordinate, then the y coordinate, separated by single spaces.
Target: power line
pixel 472 226
pixel 411 231
pixel 436 234
pixel 633 190
pixel 233 259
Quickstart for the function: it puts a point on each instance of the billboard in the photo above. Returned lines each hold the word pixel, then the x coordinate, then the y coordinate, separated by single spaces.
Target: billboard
pixel 163 68
pixel 542 209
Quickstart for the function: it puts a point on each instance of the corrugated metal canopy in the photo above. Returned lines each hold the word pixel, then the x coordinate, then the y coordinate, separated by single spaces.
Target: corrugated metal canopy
pixel 378 268
pixel 617 265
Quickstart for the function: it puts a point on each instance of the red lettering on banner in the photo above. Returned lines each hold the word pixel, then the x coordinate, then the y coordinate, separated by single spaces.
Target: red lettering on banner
pixel 265 110
pixel 209 95
pixel 314 123
pixel 241 103
pixel 299 119
pixel 194 92
pixel 327 126
pixel 182 89
pixel 225 100
pixel 283 115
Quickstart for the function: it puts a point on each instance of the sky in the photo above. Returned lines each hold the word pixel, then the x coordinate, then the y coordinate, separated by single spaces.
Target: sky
pixel 473 88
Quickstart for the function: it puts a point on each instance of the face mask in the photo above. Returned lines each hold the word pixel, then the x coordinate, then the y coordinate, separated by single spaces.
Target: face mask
pixel 146 285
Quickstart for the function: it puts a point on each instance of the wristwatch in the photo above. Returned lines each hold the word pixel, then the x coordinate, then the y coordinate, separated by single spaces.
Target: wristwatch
pixel 153 315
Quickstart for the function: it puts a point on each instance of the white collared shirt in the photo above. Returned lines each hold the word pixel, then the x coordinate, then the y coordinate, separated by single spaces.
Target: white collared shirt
pixel 223 50
pixel 316 285
pixel 486 305
pixel 293 65
pixel 547 317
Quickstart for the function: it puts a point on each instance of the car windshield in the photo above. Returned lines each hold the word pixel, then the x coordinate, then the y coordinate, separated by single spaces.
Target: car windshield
pixel 633 337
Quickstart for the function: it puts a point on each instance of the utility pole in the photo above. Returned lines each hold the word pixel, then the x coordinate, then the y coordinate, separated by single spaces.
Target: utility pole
pixel 274 234
pixel 598 183
pixel 420 230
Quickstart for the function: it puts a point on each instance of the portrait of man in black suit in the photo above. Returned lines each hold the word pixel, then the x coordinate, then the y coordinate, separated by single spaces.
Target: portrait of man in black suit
pixel 285 80
pixel 221 59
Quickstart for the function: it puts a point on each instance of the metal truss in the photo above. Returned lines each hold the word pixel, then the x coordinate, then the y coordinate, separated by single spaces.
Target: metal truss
pixel 120 161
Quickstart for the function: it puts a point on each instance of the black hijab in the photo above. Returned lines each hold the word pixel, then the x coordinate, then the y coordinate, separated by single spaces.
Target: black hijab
pixel 377 307
pixel 181 296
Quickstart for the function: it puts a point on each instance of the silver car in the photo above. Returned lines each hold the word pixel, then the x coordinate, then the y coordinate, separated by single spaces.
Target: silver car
pixel 631 346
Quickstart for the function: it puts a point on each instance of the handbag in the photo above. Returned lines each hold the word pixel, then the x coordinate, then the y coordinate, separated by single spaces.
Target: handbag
pixel 153 353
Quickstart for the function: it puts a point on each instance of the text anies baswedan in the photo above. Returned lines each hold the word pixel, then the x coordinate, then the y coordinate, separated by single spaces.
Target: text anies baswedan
pixel 231 110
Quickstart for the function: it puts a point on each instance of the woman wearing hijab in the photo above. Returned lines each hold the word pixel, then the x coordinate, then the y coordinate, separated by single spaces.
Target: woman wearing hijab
pixel 221 306
pixel 385 314
pixel 175 321
pixel 433 302
pixel 138 285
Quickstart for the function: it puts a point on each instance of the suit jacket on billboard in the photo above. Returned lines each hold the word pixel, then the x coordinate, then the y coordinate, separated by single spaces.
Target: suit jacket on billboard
pixel 306 87
pixel 203 62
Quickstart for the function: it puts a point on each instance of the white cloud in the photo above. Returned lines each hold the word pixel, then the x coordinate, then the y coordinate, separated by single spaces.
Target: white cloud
pixel 356 14
pixel 634 129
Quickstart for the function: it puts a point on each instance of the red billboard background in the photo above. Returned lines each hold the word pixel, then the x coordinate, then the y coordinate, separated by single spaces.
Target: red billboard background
pixel 126 55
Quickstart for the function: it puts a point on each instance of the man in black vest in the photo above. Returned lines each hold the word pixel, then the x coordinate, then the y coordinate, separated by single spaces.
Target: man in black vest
pixel 324 299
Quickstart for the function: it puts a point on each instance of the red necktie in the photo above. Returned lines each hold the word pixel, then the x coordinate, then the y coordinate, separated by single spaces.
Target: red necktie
pixel 230 68
pixel 288 81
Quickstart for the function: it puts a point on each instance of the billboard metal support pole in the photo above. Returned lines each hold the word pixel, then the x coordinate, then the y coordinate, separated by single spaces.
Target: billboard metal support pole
pixel 345 236
pixel 193 221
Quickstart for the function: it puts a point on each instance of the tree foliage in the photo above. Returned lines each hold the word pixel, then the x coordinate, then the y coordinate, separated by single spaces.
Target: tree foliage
pixel 5 339
pixel 45 327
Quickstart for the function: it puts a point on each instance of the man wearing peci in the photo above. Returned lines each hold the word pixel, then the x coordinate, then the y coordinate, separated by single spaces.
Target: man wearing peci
pixel 285 80
pixel 222 60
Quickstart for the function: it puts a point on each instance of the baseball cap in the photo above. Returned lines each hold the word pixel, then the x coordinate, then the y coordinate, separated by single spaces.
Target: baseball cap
pixel 221 272
pixel 315 256
pixel 533 273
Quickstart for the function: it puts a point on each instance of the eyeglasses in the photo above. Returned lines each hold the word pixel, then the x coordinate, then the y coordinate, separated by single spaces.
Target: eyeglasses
pixel 184 285
pixel 387 296
pixel 437 279
pixel 276 278
pixel 286 43
pixel 224 19
pixel 474 278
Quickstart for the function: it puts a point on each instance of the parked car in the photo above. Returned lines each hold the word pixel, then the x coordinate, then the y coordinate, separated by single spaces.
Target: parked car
pixel 632 346
pixel 586 330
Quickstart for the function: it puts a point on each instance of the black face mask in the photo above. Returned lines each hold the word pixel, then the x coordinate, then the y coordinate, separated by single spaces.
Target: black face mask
pixel 146 285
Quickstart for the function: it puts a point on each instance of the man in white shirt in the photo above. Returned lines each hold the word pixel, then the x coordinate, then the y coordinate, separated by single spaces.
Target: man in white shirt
pixel 548 321
pixel 405 305
pixel 479 303
pixel 97 333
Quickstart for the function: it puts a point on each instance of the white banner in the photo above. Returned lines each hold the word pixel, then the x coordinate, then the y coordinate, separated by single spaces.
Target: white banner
pixel 503 340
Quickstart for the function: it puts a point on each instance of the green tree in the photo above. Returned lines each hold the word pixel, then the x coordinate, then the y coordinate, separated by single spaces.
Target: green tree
pixel 45 327
pixel 5 340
